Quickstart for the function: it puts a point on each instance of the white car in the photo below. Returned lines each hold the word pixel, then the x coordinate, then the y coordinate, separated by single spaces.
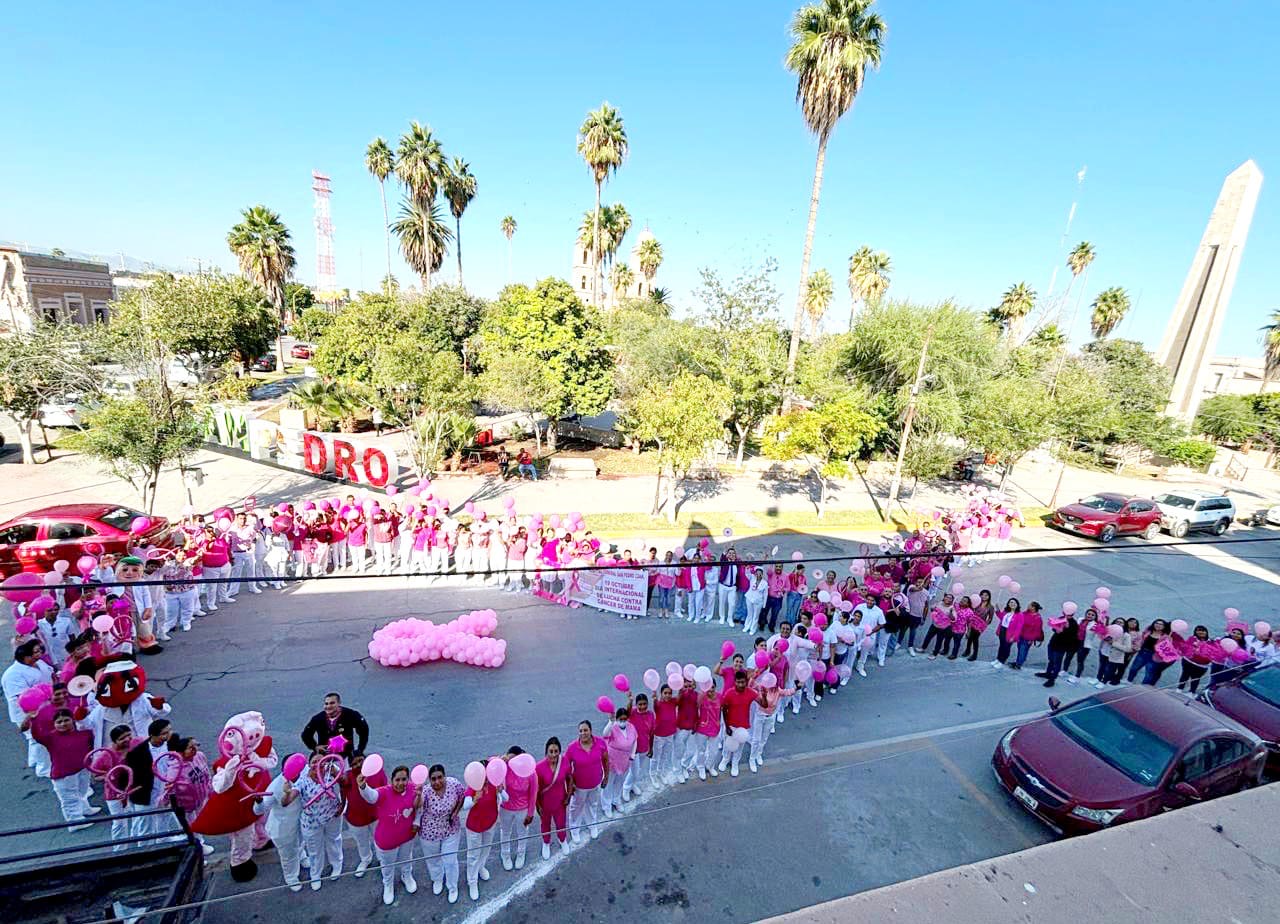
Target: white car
pixel 1183 512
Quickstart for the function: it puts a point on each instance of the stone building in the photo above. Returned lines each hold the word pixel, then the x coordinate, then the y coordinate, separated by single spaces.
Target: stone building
pixel 580 277
pixel 52 288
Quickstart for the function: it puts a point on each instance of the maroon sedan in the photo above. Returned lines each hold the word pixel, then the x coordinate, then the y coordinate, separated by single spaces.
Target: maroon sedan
pixel 35 540
pixel 1123 755
pixel 1253 700
pixel 1105 516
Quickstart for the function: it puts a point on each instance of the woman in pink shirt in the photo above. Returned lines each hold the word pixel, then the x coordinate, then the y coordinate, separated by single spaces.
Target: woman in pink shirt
pixel 517 548
pixel 940 631
pixel 396 806
pixel 708 736
pixel 620 739
pixel 516 814
pixel 1027 629
pixel 553 796
pixel 588 760
pixel 215 558
pixel 641 771
pixel 664 735
pixel 481 824
pixel 797 588
pixel 357 537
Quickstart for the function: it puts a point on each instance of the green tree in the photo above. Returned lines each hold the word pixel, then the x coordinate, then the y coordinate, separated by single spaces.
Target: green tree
pixel 135 438
pixel 1270 350
pixel 421 166
pixel 1109 309
pixel 508 225
pixel 409 380
pixel 927 458
pixel 550 324
pixel 661 297
pixel 868 277
pixel 517 383
pixel 1009 417
pixel 326 402
pixel 312 323
pixel 380 161
pixel 1015 305
pixel 424 238
pixel 1228 419
pixel 603 145
pixel 41 366
pixel 297 298
pixel 827 438
pixel 817 298
pixel 1139 387
pixel 459 189
pixel 262 246
pixel 1192 453
pixel 650 255
pixel 682 417
pixel 833 44
pixel 622 279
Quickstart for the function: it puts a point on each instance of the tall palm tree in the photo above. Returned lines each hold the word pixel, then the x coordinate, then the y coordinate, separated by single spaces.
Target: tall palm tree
pixel 868 277
pixel 262 247
pixel 380 161
pixel 817 297
pixel 834 41
pixel 615 222
pixel 459 189
pixel 602 142
pixel 421 166
pixel 424 237
pixel 622 279
pixel 1015 305
pixel 1270 350
pixel 650 255
pixel 1109 309
pixel 1080 258
pixel 508 226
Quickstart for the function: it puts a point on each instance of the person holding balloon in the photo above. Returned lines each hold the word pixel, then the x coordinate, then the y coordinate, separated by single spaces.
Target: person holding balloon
pixel 1145 659
pixel 1234 654
pixel 484 795
pixel 516 813
pixel 396 805
pixel 643 721
pixel 621 740
pixel 554 787
pixel 1196 655
pixel 321 820
pixel 664 763
pixel 737 706
pixel 282 804
pixel 29 669
pixel 707 741
pixel 1062 643
pixel 1004 621
pixel 360 815
pixel 439 829
pixel 1123 640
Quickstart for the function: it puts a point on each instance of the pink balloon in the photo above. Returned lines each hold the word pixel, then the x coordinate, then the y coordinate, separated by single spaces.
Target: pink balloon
pixel 937 571
pixel 22 587
pixel 85 565
pixel 815 636
pixel 1230 612
pixel 1004 580
pixel 1116 631
pixel 1240 656
pixel 957 588
pixel 1015 588
pixel 652 681
pixel 688 671
pixel 419 774
pixel 495 771
pixel 621 684
pixel 554 520
pixel 24 626
pixel 782 645
pixel 1179 627
pixel 675 681
pixel 1104 592
pixel 392 491
pixel 846 606
pixel 1261 629
pixel 797 556
pixel 726 651
pixel 61 566
pixel 768 681
pixel 473 775
pixel 372 764
pixel 820 620
pixel 762 659
pixel 605 705
pixel 294 764
pixel 51 579
pixel 523 765
pixel 1069 608
pixel 833 676
pixel 1229 645
pixel 102 623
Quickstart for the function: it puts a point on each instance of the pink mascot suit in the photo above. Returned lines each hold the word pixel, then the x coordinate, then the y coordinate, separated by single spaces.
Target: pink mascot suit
pixel 241 771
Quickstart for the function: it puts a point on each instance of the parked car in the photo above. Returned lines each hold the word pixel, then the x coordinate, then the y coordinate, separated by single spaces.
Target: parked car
pixel 301 351
pixel 35 540
pixel 1123 755
pixel 1105 516
pixel 264 363
pixel 1253 700
pixel 1183 512
pixel 68 412
pixel 1267 516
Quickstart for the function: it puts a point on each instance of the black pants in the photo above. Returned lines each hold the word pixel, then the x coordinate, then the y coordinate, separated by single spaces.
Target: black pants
pixel 1056 659
pixel 971 644
pixel 1115 670
pixel 1082 655
pixel 1191 673
pixel 935 635
pixel 772 607
pixel 1006 646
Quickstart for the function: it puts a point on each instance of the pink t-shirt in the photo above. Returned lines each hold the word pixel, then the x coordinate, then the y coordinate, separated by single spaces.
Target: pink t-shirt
pixel 586 766
pixel 664 724
pixel 643 723
pixel 620 741
pixel 709 714
pixel 520 792
pixel 779 584
pixel 394 811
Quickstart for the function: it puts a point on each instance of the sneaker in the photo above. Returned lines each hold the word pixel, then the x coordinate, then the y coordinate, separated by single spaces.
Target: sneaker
pixel 315 885
pixel 931 658
pixel 473 891
pixel 296 887
pixel 862 672
pixel 520 861
pixel 187 627
pixel 410 884
pixel 577 835
pixel 254 590
pixel 781 714
pixel 702 774
pixel 453 896
pixel 713 771
pixel 723 765
pixel 1043 675
pixel 564 846
pixel 912 652
pixel 1072 679
pixel 208 849
pixel 595 832
pixel 212 609
pixel 1049 682
pixel 87 824
pixel 335 874
pixel 484 874
pixel 437 886
pixel 361 867
pixel 388 893
pixel 733 771
pixel 880 660
pixel 506 864
pixel 997 665
pixel 92 809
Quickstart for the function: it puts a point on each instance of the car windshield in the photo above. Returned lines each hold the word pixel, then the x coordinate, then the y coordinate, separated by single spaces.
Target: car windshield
pixel 1124 744
pixel 1264 684
pixel 119 517
pixel 1109 504
pixel 1174 500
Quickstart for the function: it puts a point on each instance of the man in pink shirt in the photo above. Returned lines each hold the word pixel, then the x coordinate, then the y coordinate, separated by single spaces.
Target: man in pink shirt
pixel 736 705
pixel 588 760
pixel 779 583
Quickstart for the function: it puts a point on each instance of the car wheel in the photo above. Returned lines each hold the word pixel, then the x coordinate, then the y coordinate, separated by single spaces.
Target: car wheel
pixel 1179 529
pixel 1108 533
pixel 1152 530
pixel 1220 527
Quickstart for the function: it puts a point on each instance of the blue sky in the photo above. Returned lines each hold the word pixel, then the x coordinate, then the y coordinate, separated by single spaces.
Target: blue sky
pixel 133 131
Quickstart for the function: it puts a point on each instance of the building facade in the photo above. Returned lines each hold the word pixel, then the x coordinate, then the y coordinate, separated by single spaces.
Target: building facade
pixel 580 276
pixel 41 286
pixel 1236 375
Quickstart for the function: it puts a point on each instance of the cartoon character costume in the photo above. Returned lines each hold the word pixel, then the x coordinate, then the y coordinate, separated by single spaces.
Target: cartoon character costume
pixel 242 771
pixel 119 700
pixel 142 602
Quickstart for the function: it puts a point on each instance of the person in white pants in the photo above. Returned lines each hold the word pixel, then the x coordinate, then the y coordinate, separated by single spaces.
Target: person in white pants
pixel 588 759
pixel 621 739
pixel 873 621
pixel 68 748
pixel 27 670
pixel 726 587
pixel 283 803
pixel 439 829
pixel 321 822
pixel 276 564
pixel 515 815
pixel 755 596
pixel 396 805
pixel 181 598
pixel 482 830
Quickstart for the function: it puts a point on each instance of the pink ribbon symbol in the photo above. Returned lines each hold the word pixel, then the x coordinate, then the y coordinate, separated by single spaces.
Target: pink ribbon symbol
pixel 329 772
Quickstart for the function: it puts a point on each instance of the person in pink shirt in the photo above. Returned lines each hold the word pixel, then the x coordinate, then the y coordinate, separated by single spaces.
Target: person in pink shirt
pixel 640 772
pixel 214 560
pixel 707 741
pixel 481 822
pixel 737 703
pixel 588 760
pixel 396 806
pixel 942 616
pixel 762 721
pixel 515 814
pixel 797 588
pixel 620 738
pixel 552 799
pixel 68 747
pixel 686 747
pixel 663 766
pixel 1027 629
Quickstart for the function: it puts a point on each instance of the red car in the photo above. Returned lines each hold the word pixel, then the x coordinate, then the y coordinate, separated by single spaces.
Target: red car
pixel 1105 516
pixel 1253 700
pixel 35 540
pixel 300 351
pixel 1123 755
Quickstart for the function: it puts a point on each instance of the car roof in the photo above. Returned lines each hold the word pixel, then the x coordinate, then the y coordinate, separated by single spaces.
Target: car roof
pixel 69 510
pixel 1124 498
pixel 1197 493
pixel 1173 717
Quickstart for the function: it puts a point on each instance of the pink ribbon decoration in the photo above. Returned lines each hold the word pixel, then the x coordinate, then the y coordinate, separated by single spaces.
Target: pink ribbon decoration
pixel 329 769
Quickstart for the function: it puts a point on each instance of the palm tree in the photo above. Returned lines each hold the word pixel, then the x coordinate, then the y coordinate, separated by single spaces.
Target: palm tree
pixel 420 165
pixel 868 277
pixel 817 297
pixel 1015 304
pixel 459 189
pixel 622 278
pixel 661 297
pixel 1109 309
pixel 1270 350
pixel 602 142
pixel 261 245
pixel 650 255
pixel 508 225
pixel 380 161
pixel 615 222
pixel 1079 259
pixel 424 237
pixel 834 43
pixel 324 401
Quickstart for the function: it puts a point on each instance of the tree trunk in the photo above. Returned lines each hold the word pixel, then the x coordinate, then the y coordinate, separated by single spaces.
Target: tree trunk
pixel 853 313
pixel 24 440
pixel 386 226
pixel 798 323
pixel 44 438
pixel 551 436
pixel 657 493
pixel 426 250
pixel 457 239
pixel 595 253
pixel 742 442
pixel 822 493
pixel 280 339
pixel 508 260
pixel 672 484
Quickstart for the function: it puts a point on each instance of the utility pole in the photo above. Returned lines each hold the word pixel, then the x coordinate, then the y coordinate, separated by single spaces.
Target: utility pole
pixel 896 484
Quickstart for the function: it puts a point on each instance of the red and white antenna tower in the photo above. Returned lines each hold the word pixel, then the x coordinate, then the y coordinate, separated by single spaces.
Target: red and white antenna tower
pixel 326 274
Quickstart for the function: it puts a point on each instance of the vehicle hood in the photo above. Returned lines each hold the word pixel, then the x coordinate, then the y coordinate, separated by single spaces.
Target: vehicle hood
pixel 1259 716
pixel 1085 513
pixel 1056 759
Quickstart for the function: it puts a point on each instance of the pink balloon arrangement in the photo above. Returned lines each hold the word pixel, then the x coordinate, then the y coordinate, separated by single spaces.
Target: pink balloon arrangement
pixel 466 640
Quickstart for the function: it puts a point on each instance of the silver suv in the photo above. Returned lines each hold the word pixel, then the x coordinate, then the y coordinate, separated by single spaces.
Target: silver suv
pixel 1182 512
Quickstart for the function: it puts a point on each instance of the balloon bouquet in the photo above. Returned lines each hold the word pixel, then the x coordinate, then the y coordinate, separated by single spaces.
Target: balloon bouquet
pixel 467 640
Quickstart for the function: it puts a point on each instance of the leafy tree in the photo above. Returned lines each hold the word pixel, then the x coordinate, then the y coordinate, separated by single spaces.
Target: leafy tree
pixel 312 323
pixel 1015 305
pixel 1140 388
pixel 298 298
pixel 827 438
pixel 1109 309
pixel 435 435
pixel 327 402
pixel 833 44
pixel 1228 418
pixel 459 189
pixel 1078 260
pixel 928 457
pixel 1009 417
pixel 410 380
pixel 1191 453
pixel 421 166
pixel 650 256
pixel 380 161
pixel 508 226
pixel 549 324
pixel 683 416
pixel 262 246
pixel 38 367
pixel 134 438
pixel 622 279
pixel 868 277
pixel 662 297
pixel 821 373
pixel 603 145
pixel 1270 350
pixel 515 383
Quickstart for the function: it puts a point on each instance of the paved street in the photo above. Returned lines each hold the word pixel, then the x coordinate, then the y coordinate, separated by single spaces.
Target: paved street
pixel 885 781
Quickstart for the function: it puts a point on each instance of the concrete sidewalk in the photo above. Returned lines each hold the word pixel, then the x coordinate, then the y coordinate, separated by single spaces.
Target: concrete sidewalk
pixel 1211 862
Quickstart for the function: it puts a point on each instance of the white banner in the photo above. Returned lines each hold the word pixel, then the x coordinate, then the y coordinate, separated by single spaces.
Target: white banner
pixel 615 590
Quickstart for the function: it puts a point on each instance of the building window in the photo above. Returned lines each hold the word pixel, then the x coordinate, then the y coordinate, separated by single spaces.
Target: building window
pixel 584 256
pixel 584 282
pixel 99 312
pixel 75 308
pixel 51 309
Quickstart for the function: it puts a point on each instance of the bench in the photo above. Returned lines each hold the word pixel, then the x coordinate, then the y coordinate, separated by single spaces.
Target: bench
pixel 570 467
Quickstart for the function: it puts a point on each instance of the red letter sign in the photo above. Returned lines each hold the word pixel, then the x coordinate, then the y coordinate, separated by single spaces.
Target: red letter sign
pixel 344 457
pixel 314 456
pixel 376 468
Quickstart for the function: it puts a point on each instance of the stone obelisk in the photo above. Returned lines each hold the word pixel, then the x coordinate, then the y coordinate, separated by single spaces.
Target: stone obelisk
pixel 1192 335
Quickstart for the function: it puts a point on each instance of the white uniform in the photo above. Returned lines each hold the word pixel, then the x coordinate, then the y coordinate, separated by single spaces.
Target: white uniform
pixel 16 680
pixel 283 827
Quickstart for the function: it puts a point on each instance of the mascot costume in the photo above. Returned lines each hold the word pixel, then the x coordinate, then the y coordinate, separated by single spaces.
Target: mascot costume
pixel 241 773
pixel 118 688
pixel 141 603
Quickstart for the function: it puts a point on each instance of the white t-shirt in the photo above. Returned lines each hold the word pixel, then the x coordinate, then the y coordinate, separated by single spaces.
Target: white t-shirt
pixel 872 617
pixel 17 679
